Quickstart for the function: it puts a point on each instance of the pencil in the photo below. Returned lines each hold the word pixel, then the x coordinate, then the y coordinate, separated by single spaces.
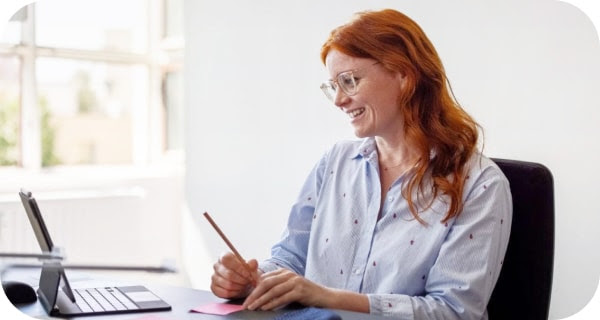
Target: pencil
pixel 230 245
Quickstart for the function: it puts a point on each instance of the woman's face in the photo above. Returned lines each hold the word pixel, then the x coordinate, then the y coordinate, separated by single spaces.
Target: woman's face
pixel 374 109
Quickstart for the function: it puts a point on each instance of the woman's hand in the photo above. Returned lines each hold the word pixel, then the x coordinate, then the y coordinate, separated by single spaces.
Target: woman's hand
pixel 231 279
pixel 281 287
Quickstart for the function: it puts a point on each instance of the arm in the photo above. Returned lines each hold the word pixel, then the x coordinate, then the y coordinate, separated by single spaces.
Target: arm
pixel 231 279
pixel 291 251
pixel 282 286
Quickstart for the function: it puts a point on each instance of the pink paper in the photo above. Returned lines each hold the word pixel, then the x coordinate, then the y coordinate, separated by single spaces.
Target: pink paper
pixel 218 308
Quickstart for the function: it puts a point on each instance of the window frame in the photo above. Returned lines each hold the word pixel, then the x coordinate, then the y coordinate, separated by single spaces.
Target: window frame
pixel 148 126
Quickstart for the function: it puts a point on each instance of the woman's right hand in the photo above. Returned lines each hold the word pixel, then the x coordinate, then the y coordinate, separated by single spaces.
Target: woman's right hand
pixel 231 279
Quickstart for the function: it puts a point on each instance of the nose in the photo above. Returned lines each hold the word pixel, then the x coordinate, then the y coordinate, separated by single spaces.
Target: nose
pixel 341 98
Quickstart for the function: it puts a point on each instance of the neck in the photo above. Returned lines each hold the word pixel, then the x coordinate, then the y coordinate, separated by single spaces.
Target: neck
pixel 395 153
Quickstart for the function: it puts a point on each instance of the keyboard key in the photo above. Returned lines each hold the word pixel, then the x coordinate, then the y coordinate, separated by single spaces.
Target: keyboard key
pixel 101 300
pixel 113 301
pixel 91 301
pixel 81 302
pixel 121 297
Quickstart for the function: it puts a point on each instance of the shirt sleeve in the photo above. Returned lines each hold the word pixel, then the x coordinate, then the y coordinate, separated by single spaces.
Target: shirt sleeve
pixel 461 281
pixel 291 251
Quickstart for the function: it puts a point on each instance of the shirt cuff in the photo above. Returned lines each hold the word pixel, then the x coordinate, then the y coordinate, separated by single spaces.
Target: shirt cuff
pixel 268 266
pixel 396 305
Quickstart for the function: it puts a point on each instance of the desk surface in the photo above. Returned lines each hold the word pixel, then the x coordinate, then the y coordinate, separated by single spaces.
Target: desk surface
pixel 182 300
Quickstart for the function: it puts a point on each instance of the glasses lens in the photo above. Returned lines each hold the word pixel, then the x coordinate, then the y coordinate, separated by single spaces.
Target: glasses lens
pixel 347 83
pixel 329 90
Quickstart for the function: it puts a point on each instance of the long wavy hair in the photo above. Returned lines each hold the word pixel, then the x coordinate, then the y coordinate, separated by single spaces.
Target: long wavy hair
pixel 443 133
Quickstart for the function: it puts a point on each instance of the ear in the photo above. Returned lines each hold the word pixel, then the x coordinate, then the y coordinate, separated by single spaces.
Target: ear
pixel 401 78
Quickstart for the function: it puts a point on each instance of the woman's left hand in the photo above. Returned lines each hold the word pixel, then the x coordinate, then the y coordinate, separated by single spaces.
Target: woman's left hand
pixel 281 287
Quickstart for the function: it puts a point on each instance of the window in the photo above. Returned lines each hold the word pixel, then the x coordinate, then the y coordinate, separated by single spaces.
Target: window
pixel 78 88
pixel 9 110
pixel 173 93
pixel 12 30
pixel 111 25
pixel 87 109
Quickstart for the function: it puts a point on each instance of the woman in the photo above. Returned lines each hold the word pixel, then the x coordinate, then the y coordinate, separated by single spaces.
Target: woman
pixel 410 221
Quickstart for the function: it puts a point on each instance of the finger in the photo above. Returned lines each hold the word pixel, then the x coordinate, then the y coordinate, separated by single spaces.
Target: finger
pixel 279 295
pixel 264 283
pixel 230 274
pixel 254 272
pixel 224 291
pixel 271 285
pixel 259 290
pixel 284 290
pixel 280 300
pixel 239 266
pixel 256 293
pixel 227 284
pixel 221 292
pixel 253 264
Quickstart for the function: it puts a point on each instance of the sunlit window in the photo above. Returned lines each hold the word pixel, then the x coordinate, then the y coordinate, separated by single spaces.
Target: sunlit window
pixel 89 109
pixel 173 18
pixel 174 110
pixel 12 30
pixel 94 82
pixel 114 25
pixel 9 111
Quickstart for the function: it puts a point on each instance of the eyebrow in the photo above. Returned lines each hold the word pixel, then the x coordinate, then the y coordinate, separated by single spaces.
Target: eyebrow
pixel 355 69
pixel 349 70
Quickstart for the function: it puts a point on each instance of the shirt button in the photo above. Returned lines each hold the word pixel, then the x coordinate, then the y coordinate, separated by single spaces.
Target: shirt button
pixel 356 271
pixel 391 199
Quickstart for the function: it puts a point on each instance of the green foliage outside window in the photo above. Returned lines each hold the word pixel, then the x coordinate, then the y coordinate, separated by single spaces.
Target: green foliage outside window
pixel 86 98
pixel 9 133
pixel 48 135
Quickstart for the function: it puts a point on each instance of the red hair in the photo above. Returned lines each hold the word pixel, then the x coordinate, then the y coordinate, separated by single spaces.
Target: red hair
pixel 443 133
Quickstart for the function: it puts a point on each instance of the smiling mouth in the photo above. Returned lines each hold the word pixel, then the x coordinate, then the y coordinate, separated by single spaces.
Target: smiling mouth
pixel 356 112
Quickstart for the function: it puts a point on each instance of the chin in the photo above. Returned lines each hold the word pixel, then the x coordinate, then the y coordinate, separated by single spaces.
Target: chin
pixel 361 133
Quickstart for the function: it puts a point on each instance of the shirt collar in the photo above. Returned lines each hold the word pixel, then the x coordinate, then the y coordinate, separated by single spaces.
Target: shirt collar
pixel 367 149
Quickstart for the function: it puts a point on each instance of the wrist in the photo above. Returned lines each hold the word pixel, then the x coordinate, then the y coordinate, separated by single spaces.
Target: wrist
pixel 346 300
pixel 329 298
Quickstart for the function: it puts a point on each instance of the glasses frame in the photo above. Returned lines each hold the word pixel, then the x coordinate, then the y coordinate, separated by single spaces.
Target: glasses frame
pixel 330 87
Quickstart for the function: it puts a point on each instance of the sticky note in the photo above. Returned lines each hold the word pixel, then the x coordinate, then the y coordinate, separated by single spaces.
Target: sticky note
pixel 218 308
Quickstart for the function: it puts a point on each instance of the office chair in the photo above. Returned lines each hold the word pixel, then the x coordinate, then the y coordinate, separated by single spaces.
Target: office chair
pixel 525 283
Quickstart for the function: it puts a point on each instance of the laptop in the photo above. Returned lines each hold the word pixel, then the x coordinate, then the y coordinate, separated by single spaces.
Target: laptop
pixel 59 299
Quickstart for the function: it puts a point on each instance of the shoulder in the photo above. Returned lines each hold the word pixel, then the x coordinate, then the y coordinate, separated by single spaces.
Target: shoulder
pixel 349 149
pixel 339 154
pixel 480 166
pixel 482 171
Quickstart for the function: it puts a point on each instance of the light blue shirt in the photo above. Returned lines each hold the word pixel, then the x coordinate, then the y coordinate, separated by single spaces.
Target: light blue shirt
pixel 408 270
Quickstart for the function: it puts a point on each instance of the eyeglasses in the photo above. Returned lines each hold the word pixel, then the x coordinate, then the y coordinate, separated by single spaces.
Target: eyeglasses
pixel 345 81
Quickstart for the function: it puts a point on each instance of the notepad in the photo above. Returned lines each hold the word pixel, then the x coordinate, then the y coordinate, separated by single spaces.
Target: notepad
pixel 218 308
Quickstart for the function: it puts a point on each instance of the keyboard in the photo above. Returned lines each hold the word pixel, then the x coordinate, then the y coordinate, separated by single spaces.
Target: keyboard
pixel 102 299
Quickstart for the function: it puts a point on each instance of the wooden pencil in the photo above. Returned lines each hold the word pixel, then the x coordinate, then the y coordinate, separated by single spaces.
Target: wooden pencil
pixel 230 245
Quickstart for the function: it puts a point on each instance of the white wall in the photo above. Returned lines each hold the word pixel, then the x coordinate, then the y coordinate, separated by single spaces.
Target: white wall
pixel 528 71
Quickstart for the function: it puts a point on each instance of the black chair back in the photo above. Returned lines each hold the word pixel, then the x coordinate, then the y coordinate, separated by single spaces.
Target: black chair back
pixel 525 283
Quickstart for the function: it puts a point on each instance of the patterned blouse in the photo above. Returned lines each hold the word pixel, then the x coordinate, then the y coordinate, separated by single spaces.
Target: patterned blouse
pixel 337 236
